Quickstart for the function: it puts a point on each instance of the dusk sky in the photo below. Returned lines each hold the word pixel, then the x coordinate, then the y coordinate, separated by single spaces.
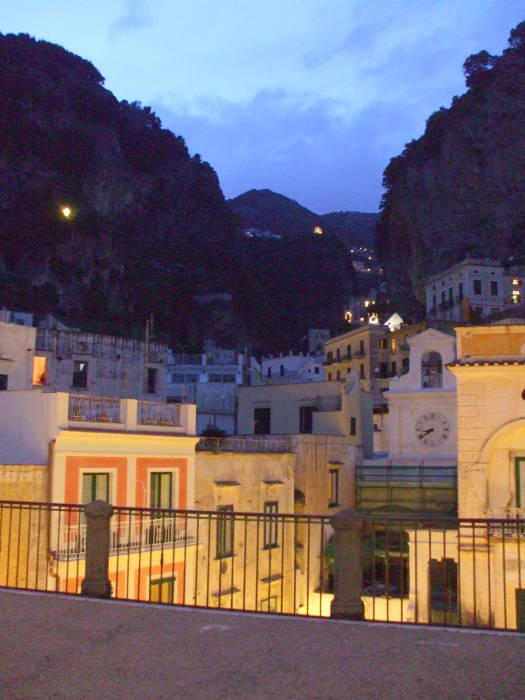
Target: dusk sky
pixel 310 98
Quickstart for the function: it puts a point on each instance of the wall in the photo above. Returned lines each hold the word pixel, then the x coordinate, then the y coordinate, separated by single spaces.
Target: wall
pixel 254 573
pixel 17 348
pixel 22 531
pixel 116 366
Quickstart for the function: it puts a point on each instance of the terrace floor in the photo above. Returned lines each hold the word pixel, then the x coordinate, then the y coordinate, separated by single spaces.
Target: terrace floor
pixel 66 647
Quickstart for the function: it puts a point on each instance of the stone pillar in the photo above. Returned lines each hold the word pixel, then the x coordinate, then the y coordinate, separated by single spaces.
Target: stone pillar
pixel 96 583
pixel 347 603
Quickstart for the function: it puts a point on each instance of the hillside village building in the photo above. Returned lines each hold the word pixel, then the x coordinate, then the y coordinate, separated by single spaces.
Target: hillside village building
pixel 474 285
pixel 290 368
pixel 210 380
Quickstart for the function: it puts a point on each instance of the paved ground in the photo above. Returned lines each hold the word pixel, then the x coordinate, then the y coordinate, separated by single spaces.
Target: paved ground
pixel 62 647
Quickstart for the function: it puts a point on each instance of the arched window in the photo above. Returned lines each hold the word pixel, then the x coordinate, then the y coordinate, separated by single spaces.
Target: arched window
pixel 431 370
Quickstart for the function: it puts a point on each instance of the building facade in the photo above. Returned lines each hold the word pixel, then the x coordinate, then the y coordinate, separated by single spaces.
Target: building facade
pixel 476 285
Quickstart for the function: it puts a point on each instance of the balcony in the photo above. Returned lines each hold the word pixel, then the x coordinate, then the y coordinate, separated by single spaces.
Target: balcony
pixel 150 413
pixel 128 535
pixel 129 415
pixel 359 354
pixel 94 409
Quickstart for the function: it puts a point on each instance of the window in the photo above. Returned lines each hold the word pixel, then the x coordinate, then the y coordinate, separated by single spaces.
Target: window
pixel 394 368
pixel 3 382
pixel 349 352
pixel 281 370
pixel 433 302
pixel 316 370
pixel 431 371
pixel 333 487
pixel 80 374
pixel 39 370
pixel 383 343
pixel 477 287
pixel 162 590
pixel 225 530
pixel 383 370
pixel 362 347
pixel 443 298
pixel 262 421
pixel 362 371
pixel 338 354
pixel 271 524
pixel 95 487
pixel 329 356
pixel 269 372
pixel 306 418
pixel 405 365
pixel 338 375
pixel 269 604
pixel 329 376
pixel 393 345
pixel 386 572
pixel 520 482
pixel 493 288
pixel 460 291
pixel 151 380
pixel 352 425
pixel 161 490
pixel 450 295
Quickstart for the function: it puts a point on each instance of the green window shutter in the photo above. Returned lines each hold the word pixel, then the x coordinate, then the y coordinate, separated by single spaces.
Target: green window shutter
pixel 86 488
pixel 520 482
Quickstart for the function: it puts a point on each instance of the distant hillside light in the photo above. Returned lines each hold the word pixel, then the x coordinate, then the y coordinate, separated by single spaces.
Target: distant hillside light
pixel 318 230
pixel 66 212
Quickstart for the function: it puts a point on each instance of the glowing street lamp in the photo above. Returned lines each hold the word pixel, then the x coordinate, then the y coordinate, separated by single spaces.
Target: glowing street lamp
pixel 66 212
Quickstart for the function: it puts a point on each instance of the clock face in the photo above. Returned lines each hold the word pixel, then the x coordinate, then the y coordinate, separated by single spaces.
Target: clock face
pixel 432 429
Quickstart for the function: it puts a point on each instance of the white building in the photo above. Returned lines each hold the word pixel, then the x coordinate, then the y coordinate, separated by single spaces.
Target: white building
pixel 210 380
pixel 481 284
pixel 284 369
pixel 17 350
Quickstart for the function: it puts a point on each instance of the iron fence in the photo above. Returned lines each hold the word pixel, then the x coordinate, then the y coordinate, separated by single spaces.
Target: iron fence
pixel 150 413
pixel 441 571
pixel 101 409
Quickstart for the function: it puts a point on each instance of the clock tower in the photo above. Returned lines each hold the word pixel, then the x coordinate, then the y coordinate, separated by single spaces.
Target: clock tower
pixel 422 404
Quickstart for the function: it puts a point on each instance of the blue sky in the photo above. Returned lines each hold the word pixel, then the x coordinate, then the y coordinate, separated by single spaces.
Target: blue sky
pixel 310 98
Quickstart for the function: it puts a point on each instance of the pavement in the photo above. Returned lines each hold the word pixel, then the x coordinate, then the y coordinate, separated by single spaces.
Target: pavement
pixel 54 646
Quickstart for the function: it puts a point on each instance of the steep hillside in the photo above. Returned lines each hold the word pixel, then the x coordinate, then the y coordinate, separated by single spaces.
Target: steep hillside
pixel 147 227
pixel 264 209
pixel 149 224
pixel 460 188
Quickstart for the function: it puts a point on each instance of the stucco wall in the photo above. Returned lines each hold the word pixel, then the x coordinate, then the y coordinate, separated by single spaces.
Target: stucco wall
pixel 23 530
pixel 17 348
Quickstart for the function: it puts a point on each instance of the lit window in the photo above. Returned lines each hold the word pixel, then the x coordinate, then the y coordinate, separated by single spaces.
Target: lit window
pixel 39 370
pixel 516 296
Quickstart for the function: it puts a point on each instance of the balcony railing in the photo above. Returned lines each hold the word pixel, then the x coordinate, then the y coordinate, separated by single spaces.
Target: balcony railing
pixel 250 443
pixel 95 409
pixel 127 535
pixel 328 403
pixel 167 414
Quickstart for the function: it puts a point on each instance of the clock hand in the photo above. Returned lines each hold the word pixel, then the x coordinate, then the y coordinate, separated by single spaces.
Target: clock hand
pixel 426 432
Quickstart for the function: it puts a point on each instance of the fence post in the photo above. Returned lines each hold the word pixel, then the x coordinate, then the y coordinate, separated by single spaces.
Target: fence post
pixel 96 582
pixel 347 603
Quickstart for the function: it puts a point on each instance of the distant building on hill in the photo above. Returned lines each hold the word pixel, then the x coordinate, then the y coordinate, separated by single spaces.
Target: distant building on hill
pixel 473 289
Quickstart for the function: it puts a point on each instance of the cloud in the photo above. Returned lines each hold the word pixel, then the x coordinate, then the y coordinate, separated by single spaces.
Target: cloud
pixel 303 148
pixel 136 16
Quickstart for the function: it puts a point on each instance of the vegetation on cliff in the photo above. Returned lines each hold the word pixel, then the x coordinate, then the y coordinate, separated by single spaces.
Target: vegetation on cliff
pixel 460 188
pixel 149 227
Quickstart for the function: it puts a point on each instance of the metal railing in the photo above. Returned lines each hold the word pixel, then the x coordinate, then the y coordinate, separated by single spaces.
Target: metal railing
pixel 126 535
pixel 150 413
pixel 98 409
pixel 251 443
pixel 443 571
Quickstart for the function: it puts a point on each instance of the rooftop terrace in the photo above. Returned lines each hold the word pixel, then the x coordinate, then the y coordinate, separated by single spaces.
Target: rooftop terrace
pixel 64 647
